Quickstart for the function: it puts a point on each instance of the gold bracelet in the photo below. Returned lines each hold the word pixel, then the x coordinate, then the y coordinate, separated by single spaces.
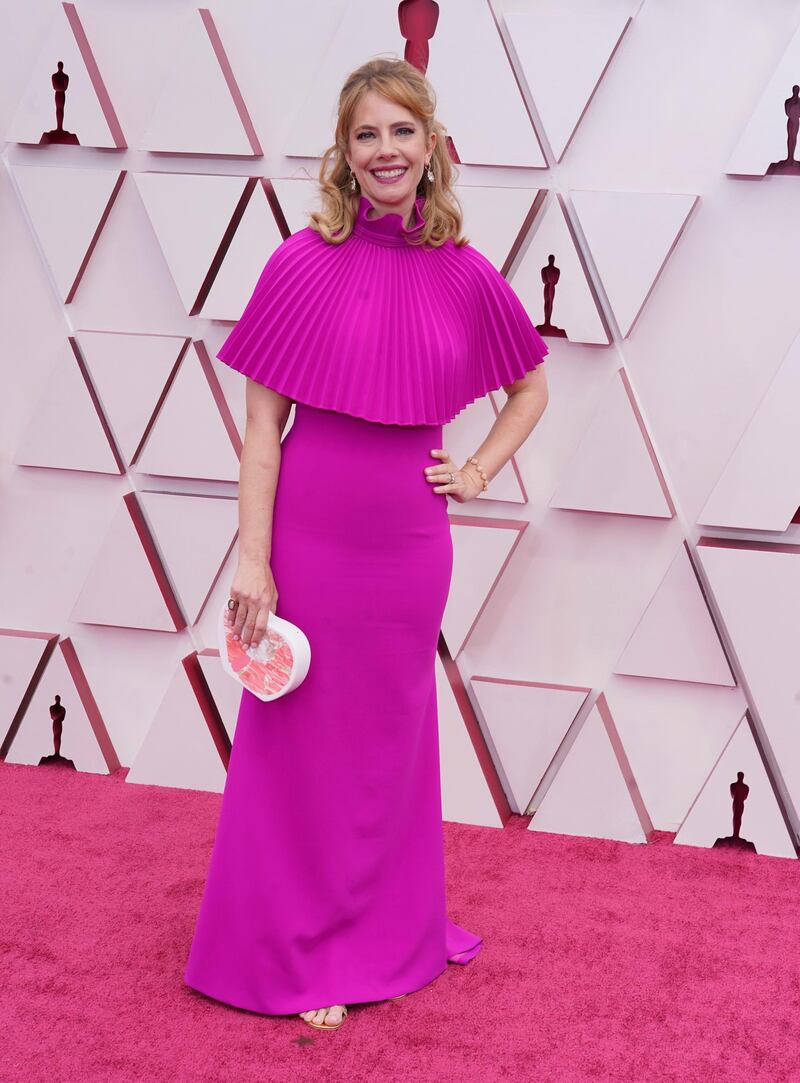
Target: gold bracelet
pixel 481 471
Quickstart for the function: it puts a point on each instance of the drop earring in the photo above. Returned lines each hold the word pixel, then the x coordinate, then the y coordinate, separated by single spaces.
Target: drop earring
pixel 352 181
pixel 430 173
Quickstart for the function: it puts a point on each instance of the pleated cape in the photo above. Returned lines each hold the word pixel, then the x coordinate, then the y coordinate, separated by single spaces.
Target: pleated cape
pixel 382 329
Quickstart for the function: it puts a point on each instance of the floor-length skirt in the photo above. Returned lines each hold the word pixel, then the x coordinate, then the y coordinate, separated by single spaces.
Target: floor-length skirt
pixel 326 881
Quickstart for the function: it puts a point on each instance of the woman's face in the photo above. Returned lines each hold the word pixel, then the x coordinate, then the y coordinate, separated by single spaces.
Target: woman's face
pixel 385 136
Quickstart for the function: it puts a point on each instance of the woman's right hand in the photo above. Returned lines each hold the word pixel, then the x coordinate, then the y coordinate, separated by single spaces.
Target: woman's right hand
pixel 254 591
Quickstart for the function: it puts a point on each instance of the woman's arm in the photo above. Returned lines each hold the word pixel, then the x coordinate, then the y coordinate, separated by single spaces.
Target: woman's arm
pixel 267 413
pixel 524 406
pixel 253 587
pixel 527 398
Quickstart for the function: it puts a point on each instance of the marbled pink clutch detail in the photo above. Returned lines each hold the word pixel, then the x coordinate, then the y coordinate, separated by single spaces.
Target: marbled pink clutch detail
pixel 276 666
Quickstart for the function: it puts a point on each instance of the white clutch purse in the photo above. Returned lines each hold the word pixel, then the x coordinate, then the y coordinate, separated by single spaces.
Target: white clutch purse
pixel 276 666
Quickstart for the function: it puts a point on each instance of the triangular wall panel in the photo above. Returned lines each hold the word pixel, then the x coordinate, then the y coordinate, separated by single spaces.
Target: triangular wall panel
pixel 614 469
pixel 84 738
pixel 130 373
pixel 759 489
pixel 67 209
pixel 675 638
pixel 527 723
pixel 129 670
pixel 179 749
pixel 126 585
pixel 631 236
pixel 593 792
pixel 482 548
pixel 562 58
pixel 256 238
pixel 88 112
pixel 757 590
pixel 22 657
pixel 466 797
pixel 297 196
pixel 191 214
pixel 672 733
pixel 201 109
pixel 494 218
pixel 65 431
pixel 711 815
pixel 194 535
pixel 193 435
pixel 575 308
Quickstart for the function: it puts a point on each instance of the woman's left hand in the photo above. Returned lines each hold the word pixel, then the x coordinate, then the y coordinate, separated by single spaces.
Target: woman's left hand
pixel 465 486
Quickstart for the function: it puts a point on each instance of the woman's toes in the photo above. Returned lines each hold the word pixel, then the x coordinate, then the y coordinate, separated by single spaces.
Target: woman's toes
pixel 330 1016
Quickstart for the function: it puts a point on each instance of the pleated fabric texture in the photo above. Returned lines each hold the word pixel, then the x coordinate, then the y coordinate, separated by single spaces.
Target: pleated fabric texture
pixel 382 329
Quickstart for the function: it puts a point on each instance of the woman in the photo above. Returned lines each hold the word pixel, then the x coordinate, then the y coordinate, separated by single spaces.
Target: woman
pixel 326 882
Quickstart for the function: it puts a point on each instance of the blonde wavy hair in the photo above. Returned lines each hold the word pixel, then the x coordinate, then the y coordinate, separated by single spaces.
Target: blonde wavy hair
pixel 402 83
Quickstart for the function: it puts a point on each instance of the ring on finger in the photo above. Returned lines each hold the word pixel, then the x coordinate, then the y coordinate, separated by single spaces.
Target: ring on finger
pixel 452 477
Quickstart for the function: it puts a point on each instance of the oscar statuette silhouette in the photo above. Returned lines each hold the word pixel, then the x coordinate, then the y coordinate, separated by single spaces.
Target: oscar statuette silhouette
pixel 789 166
pixel 57 714
pixel 59 134
pixel 418 19
pixel 550 277
pixel 739 792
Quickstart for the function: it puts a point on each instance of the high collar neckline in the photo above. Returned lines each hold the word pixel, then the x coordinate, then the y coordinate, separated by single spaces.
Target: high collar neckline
pixel 389 229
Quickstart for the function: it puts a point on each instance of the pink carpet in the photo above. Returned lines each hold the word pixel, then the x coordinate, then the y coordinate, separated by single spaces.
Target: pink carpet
pixel 602 960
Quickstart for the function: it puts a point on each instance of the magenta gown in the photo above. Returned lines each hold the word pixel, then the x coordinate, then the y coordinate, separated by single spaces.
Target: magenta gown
pixel 326 881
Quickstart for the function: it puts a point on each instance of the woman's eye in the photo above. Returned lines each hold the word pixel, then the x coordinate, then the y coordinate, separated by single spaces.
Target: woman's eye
pixel 403 129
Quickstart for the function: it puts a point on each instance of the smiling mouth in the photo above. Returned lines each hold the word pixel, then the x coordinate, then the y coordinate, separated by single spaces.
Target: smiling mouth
pixel 389 171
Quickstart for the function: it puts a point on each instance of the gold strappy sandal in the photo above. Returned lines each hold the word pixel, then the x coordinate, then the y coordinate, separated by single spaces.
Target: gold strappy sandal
pixel 328 1026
